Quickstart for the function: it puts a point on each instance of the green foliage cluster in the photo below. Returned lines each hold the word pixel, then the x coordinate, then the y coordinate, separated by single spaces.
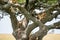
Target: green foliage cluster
pixel 51 2
pixel 21 1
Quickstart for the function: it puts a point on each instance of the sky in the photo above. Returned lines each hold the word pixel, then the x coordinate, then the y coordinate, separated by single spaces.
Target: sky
pixel 5 25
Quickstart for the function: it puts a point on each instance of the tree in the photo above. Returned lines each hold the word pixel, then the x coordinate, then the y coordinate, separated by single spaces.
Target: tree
pixel 21 29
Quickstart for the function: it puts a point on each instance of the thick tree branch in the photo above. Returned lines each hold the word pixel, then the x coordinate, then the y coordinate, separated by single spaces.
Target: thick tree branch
pixel 40 33
pixel 30 28
pixel 43 28
pixel 55 25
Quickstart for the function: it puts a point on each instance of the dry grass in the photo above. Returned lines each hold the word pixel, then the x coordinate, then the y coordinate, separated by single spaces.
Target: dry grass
pixel 51 37
pixel 6 37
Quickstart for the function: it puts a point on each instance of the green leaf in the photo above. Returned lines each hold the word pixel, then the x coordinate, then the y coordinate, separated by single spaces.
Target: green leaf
pixel 50 2
pixel 21 1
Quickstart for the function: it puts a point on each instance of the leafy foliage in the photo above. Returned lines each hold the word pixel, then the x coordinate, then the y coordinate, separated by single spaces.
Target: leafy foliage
pixel 50 2
pixel 21 1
